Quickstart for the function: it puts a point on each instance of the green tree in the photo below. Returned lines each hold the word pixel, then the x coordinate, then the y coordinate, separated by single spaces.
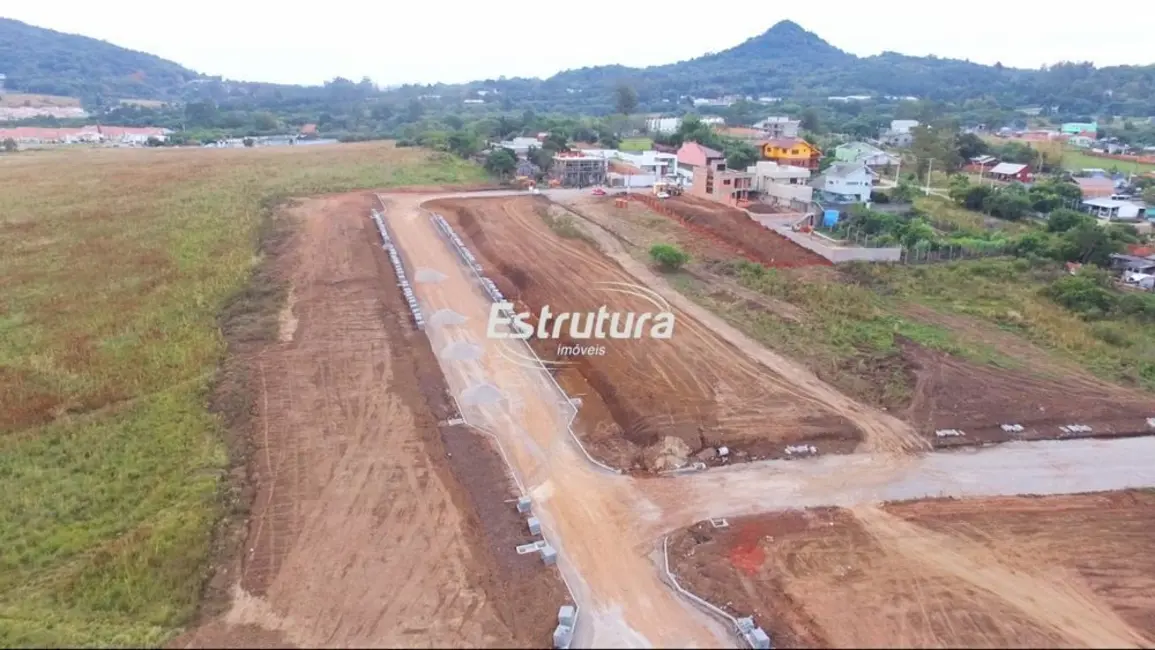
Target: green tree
pixel 463 143
pixel 201 114
pixel 249 142
pixel 625 99
pixel 265 121
pixel 1063 220
pixel 976 197
pixel 10 145
pixel 740 155
pixel 1008 205
pixel 501 162
pixel 1087 293
pixel 810 121
pixel 1088 243
pixel 959 187
pixel 668 256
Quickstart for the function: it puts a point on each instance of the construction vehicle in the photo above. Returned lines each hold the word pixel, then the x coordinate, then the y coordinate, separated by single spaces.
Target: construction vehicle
pixel 525 182
pixel 669 189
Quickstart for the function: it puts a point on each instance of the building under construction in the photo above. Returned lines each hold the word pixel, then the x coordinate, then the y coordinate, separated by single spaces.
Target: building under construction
pixel 578 170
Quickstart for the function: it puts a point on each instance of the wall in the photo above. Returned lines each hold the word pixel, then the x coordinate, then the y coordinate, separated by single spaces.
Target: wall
pixel 836 254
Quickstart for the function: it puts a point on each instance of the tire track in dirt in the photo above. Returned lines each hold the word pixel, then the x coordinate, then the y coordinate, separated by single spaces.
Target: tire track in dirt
pixel 1052 598
pixel 359 534
pixel 885 434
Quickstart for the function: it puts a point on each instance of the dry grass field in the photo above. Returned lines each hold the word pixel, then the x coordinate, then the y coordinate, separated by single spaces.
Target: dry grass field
pixel 116 267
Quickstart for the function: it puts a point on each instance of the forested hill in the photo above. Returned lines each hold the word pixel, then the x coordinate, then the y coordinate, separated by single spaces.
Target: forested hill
pixel 44 61
pixel 788 61
pixel 785 61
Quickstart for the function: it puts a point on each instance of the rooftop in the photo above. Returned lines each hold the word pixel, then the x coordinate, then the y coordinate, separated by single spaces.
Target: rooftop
pixel 1009 169
pixel 1110 203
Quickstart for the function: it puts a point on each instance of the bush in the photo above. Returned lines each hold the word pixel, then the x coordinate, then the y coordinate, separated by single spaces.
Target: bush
pixel 879 197
pixel 668 256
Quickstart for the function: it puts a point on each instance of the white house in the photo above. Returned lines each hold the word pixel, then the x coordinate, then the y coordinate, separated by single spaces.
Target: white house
pixel 778 126
pixel 652 166
pixel 785 185
pixel 663 124
pixel 1114 209
pixel 845 183
pixel 902 126
pixel 520 146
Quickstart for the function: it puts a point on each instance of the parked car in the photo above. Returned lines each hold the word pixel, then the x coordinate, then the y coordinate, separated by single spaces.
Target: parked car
pixel 599 192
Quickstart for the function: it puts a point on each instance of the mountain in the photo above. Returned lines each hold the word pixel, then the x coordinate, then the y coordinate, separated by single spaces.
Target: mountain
pixel 44 61
pixel 789 61
pixel 784 61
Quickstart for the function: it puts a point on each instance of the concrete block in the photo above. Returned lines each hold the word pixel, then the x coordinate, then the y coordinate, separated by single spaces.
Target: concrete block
pixel 746 624
pixel 548 555
pixel 562 636
pixel 534 526
pixel 524 505
pixel 759 639
pixel 566 615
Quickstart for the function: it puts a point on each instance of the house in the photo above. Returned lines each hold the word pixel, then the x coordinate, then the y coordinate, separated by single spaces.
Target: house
pixel 981 164
pixel 308 130
pixel 1011 172
pixel 1096 187
pixel 1132 264
pixel 132 134
pixel 644 168
pixel 865 154
pixel 1114 209
pixel 845 183
pixel 663 124
pixel 578 169
pixel 783 185
pixel 711 179
pixel 1080 128
pixel 778 126
pixel 1081 141
pixel 900 133
pixel 791 151
pixel 520 146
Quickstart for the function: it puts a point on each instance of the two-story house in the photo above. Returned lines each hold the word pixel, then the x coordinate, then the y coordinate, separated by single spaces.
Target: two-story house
pixel 778 126
pixel 844 183
pixel 866 154
pixel 712 180
pixel 791 151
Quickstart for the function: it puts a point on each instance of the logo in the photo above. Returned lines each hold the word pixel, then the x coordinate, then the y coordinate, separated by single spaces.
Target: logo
pixel 605 323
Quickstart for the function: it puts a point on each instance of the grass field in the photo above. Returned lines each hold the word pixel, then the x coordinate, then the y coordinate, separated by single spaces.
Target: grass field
pixel 1075 159
pixel 636 144
pixel 116 265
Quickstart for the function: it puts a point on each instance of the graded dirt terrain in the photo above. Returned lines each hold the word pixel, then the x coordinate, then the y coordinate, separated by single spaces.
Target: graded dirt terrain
pixel 371 525
pixel 738 229
pixel 1060 571
pixel 943 391
pixel 694 387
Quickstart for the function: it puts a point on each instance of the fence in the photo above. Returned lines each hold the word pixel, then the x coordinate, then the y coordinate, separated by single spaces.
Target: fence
pixel 399 269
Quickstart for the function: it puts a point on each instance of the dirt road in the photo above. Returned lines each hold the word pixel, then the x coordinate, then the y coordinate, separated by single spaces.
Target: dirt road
pixel 585 513
pixel 359 534
pixel 1058 571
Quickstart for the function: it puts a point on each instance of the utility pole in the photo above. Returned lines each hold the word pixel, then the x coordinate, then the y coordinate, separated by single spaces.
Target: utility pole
pixel 929 165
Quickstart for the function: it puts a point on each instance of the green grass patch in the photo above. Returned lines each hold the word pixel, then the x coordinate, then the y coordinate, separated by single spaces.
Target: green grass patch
pixel 1075 159
pixel 565 225
pixel 636 144
pixel 116 267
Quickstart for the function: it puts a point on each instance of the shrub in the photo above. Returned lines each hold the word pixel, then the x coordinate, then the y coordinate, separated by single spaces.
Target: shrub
pixel 668 256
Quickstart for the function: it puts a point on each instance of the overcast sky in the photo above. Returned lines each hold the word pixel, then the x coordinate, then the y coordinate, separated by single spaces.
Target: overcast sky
pixel 462 40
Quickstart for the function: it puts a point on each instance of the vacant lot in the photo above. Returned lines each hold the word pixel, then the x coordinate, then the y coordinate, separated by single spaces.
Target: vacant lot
pixel 116 265
pixel 16 100
pixel 970 345
pixel 694 387
pixel 1064 571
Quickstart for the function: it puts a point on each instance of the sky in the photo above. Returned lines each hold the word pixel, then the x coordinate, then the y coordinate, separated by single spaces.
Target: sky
pixel 454 41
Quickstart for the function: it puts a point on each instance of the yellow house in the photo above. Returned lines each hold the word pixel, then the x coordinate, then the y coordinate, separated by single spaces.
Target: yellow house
pixel 791 151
